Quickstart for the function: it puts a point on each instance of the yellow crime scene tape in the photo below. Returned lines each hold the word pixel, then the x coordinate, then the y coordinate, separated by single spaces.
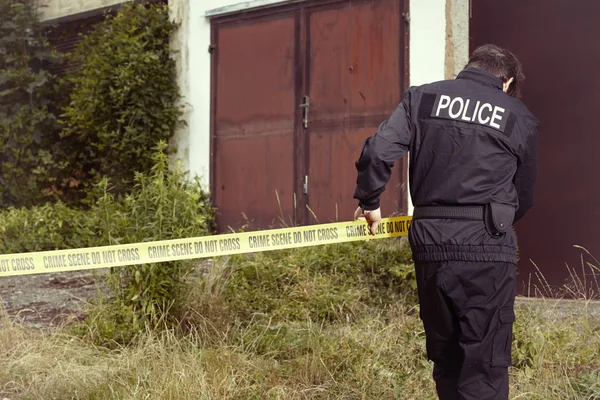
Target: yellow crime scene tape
pixel 200 247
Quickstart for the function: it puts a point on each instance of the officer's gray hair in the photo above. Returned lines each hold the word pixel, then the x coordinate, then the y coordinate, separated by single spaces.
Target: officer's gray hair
pixel 500 62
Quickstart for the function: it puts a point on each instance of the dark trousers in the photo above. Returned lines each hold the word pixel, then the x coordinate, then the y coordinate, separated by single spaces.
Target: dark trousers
pixel 467 309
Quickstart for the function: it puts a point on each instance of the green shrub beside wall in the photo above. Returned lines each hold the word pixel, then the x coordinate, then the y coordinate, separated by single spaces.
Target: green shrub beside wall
pixel 29 100
pixel 124 98
pixel 61 136
pixel 164 204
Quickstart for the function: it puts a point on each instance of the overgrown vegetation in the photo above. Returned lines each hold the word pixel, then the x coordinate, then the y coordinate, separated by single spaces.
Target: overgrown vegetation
pixel 165 204
pixel 319 283
pixel 281 287
pixel 30 98
pixel 61 136
pixel 350 351
pixel 91 167
pixel 337 321
pixel 124 97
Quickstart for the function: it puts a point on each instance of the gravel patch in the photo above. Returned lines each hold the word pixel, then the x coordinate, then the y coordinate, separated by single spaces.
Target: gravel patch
pixel 48 300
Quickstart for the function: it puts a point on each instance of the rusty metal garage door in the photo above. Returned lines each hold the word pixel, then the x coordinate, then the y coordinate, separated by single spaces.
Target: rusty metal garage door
pixel 254 121
pixel 556 41
pixel 296 91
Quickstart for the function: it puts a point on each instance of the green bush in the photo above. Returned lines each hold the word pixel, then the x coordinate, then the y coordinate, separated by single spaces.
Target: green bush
pixel 123 99
pixel 47 227
pixel 29 99
pixel 164 204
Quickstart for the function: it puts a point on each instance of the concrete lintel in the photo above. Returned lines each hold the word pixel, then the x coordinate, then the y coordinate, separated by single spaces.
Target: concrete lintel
pixel 50 14
pixel 246 5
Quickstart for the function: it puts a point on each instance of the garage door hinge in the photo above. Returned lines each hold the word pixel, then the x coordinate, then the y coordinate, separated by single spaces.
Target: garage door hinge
pixel 406 17
pixel 305 186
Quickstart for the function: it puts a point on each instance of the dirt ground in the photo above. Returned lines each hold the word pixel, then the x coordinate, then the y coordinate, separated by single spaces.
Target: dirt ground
pixel 48 300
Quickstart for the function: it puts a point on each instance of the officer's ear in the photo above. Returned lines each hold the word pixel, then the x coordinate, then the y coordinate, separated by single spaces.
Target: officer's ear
pixel 506 84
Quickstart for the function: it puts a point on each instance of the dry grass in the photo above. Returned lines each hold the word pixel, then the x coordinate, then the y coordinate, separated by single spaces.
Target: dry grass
pixel 372 359
pixel 381 357
pixel 367 352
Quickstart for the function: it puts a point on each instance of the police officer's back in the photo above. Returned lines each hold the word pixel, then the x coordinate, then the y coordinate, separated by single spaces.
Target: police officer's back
pixel 473 166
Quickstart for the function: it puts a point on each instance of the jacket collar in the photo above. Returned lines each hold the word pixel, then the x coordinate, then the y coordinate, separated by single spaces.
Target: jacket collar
pixel 482 76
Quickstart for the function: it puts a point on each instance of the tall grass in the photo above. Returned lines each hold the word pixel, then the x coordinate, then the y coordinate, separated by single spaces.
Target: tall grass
pixel 583 282
pixel 378 357
pixel 331 322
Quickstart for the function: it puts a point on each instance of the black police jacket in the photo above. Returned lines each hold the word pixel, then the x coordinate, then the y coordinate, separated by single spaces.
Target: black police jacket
pixel 470 143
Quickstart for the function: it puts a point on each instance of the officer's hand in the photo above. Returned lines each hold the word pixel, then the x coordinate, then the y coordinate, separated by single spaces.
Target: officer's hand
pixel 372 217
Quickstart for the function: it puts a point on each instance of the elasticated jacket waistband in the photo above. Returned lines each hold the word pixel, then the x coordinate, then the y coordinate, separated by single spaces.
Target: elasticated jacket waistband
pixel 447 252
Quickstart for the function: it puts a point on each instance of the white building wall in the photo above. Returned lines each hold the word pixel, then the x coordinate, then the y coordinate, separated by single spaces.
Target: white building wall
pixel 181 44
pixel 427 47
pixel 427 40
pixel 439 42
pixel 457 36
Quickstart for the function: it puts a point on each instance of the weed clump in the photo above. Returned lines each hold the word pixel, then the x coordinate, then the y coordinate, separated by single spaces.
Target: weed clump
pixel 325 284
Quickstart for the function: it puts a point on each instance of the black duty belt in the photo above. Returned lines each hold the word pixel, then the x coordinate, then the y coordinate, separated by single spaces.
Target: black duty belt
pixel 449 212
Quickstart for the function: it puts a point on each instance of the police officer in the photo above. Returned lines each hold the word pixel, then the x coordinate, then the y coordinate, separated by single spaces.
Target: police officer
pixel 473 166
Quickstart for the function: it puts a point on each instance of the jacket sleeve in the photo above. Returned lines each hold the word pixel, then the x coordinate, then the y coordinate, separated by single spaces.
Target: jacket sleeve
pixel 390 143
pixel 526 175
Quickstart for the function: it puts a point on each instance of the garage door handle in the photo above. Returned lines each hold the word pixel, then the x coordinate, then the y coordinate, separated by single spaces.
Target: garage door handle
pixel 305 105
